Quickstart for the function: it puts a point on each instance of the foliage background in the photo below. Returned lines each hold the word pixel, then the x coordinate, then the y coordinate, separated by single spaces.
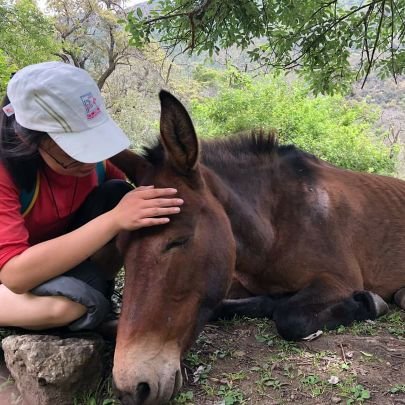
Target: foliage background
pixel 360 130
pixel 340 131
pixel 26 37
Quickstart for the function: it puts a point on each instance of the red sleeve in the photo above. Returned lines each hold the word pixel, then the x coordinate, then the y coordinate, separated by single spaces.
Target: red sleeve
pixel 13 233
pixel 112 172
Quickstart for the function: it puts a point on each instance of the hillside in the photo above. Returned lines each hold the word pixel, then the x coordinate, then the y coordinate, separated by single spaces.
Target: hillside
pixel 388 94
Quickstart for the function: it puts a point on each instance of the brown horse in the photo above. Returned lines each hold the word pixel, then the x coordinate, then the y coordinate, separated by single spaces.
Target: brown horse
pixel 276 231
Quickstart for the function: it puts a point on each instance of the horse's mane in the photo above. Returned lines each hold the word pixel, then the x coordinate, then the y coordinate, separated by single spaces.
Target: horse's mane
pixel 243 148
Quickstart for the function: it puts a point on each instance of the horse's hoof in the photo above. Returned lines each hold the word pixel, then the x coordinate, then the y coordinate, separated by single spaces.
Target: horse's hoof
pixel 399 298
pixel 381 307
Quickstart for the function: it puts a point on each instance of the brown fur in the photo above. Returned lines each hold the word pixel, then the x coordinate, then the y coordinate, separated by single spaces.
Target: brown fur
pixel 259 220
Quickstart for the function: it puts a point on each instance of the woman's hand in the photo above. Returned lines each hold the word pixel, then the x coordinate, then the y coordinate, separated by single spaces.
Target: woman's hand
pixel 141 207
pixel 145 206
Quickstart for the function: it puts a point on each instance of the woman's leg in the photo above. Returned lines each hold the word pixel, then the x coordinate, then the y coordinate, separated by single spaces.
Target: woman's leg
pixel 77 298
pixel 83 285
pixel 34 312
pixel 109 261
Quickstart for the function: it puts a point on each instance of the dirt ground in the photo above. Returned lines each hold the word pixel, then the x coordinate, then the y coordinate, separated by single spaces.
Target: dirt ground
pixel 9 394
pixel 244 362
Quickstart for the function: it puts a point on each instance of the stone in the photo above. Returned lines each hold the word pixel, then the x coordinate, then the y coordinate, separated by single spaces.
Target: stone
pixel 51 370
pixel 333 380
pixel 239 353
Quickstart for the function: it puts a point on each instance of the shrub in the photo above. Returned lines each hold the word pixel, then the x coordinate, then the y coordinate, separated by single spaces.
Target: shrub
pixel 333 128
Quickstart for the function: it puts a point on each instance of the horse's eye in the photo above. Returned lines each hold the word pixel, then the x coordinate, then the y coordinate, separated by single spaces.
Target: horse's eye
pixel 176 243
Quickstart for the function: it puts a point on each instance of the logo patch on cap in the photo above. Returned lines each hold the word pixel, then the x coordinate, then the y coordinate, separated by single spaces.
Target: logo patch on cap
pixel 90 104
pixel 8 110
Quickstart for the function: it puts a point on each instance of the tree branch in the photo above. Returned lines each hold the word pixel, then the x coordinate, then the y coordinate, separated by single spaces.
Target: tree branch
pixel 375 43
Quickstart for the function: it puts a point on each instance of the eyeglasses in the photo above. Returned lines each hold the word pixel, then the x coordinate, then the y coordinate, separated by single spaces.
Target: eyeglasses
pixel 70 165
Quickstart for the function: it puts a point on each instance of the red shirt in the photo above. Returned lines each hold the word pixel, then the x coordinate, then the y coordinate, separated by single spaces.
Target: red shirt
pixel 45 220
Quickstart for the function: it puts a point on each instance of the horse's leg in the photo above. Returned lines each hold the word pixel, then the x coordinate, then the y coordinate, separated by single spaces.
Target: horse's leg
pixel 399 298
pixel 253 307
pixel 326 303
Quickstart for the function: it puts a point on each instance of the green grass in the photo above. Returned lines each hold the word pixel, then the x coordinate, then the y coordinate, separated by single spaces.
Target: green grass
pixel 183 398
pixel 354 393
pixel 397 389
pixel 102 395
pixel 235 361
pixel 393 322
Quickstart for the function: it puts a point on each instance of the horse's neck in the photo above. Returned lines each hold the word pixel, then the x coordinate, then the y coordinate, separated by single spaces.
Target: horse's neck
pixel 248 203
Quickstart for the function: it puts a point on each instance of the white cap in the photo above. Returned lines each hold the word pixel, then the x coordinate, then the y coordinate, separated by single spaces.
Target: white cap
pixel 65 102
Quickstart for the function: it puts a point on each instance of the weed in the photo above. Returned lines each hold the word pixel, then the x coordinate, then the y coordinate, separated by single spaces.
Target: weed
pixel 235 321
pixel 396 323
pixel 265 338
pixel 364 328
pixel 183 398
pixel 208 389
pixel 203 340
pixel 201 374
pixel 193 359
pixel 359 394
pixel 367 357
pixel 102 395
pixel 239 375
pixel 397 389
pixel 231 395
pixel 7 382
pixel 288 371
pixel 314 384
pixel 311 380
pixel 219 354
pixel 267 380
pixel 354 392
pixel 288 347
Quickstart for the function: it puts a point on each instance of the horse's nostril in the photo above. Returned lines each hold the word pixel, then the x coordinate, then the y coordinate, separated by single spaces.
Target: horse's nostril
pixel 142 392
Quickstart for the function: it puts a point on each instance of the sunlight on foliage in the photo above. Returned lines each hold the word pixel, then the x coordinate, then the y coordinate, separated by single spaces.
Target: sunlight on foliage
pixel 26 37
pixel 337 130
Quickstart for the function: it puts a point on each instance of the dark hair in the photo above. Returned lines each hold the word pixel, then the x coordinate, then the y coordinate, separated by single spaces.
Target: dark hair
pixel 19 150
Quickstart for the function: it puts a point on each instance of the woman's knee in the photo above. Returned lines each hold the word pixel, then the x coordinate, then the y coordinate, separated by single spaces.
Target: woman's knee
pixel 64 311
pixel 30 311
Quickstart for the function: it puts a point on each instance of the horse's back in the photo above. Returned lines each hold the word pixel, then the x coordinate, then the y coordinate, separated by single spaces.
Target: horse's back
pixel 309 219
pixel 366 214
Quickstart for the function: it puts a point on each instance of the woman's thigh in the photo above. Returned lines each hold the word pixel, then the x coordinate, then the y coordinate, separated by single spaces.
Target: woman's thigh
pixel 35 312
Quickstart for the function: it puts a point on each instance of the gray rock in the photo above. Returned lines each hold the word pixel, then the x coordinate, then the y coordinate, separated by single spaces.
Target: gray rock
pixel 51 370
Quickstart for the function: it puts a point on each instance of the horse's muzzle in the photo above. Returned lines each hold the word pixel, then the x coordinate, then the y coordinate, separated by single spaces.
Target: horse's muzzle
pixel 144 375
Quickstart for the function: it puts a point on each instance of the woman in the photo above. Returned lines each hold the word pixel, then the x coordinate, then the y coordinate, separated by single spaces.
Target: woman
pixel 54 132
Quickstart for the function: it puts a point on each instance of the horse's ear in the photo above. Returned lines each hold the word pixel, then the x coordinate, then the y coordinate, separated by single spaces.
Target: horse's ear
pixel 134 166
pixel 178 134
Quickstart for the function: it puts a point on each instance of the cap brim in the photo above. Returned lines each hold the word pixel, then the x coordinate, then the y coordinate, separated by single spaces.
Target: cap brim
pixel 93 145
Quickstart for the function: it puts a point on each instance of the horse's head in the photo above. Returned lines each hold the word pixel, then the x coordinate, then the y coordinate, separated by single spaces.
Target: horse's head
pixel 175 274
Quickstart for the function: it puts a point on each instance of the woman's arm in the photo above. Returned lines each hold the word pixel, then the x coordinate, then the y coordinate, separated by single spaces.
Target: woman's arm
pixel 51 258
